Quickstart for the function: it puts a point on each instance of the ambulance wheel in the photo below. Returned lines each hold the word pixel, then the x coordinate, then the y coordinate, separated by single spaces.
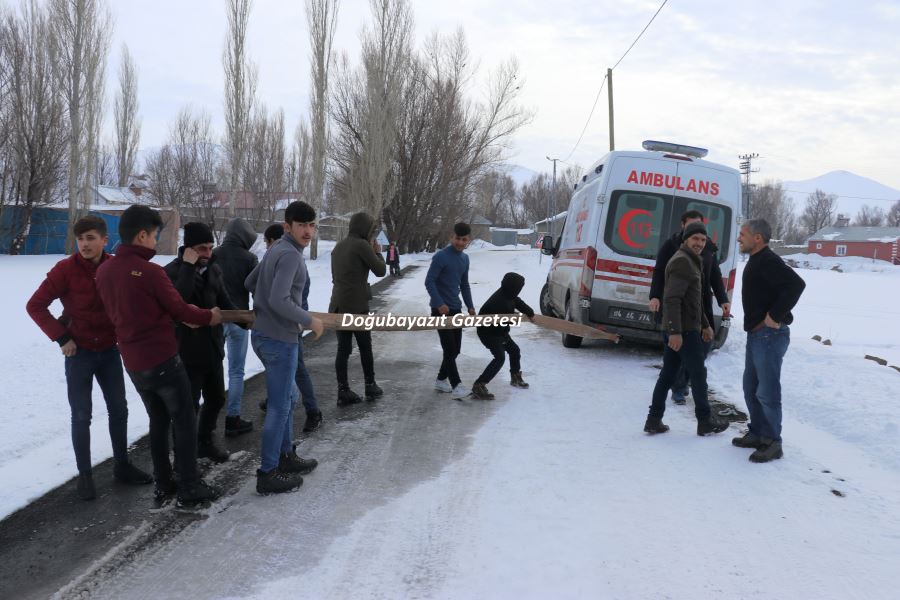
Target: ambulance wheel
pixel 570 341
pixel 544 302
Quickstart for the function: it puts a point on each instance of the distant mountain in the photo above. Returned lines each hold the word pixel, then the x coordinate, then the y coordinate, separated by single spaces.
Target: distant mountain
pixel 519 174
pixel 852 190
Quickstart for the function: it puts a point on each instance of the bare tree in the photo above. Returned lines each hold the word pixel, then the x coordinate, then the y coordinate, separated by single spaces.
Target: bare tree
pixel 106 166
pixel 870 216
pixel 266 168
pixel 127 122
pixel 818 212
pixel 495 197
pixel 240 92
pixel 770 202
pixel 893 216
pixel 298 169
pixel 33 115
pixel 81 31
pixel 321 18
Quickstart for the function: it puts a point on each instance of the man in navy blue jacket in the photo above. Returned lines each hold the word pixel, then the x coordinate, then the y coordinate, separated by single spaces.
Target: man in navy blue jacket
pixel 447 276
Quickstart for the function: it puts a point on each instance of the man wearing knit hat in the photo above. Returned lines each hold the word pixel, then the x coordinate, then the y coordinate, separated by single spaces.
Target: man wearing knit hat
pixel 200 281
pixel 688 327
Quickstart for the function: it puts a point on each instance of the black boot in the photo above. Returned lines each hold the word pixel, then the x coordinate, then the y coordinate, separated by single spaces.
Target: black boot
pixel 164 490
pixel 517 381
pixel 768 450
pixel 748 440
pixel 196 492
pixel 480 392
pixel 291 463
pixel 655 425
pixel 207 448
pixel 130 474
pixel 85 486
pixel 236 426
pixel 711 425
pixel 313 421
pixel 373 392
pixel 346 396
pixel 276 482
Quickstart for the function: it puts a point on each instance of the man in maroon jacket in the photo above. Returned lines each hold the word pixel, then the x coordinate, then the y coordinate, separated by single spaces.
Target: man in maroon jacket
pixel 142 303
pixel 88 343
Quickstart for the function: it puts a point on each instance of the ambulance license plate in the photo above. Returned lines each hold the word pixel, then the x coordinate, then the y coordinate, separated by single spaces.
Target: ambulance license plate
pixel 634 316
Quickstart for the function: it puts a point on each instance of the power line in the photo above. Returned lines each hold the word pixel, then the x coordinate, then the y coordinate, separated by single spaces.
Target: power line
pixel 597 99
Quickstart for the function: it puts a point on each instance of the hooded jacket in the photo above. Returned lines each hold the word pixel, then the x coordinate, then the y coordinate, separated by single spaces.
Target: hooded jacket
pixel 236 260
pixel 504 301
pixel 351 260
pixel 142 303
pixel 206 289
pixel 83 319
pixel 682 304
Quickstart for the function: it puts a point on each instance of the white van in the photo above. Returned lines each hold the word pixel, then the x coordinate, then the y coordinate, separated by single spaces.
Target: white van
pixel 620 214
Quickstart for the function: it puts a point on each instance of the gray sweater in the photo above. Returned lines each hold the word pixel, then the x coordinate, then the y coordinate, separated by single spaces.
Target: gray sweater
pixel 277 287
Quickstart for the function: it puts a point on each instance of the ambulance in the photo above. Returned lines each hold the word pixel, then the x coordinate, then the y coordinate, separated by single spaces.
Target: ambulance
pixel 620 214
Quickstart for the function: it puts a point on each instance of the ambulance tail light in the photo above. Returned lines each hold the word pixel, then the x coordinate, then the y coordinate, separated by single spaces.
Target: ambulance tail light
pixel 729 283
pixel 587 272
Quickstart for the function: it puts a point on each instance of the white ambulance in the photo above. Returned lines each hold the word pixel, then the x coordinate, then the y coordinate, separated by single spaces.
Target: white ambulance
pixel 620 214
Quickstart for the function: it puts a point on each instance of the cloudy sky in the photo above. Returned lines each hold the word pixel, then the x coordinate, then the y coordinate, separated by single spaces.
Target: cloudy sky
pixel 810 85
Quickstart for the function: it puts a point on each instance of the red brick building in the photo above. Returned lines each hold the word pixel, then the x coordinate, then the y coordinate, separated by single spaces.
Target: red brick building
pixel 880 243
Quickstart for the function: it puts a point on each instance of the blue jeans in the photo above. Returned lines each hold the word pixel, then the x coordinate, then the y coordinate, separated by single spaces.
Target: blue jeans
pixel 691 356
pixel 304 385
pixel 280 360
pixel 236 339
pixel 81 370
pixel 762 379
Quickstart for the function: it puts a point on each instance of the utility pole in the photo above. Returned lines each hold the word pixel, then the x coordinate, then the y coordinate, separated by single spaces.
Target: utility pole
pixel 552 192
pixel 745 168
pixel 612 133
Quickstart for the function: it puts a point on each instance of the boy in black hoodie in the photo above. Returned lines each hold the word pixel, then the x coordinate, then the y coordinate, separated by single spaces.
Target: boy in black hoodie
pixel 496 339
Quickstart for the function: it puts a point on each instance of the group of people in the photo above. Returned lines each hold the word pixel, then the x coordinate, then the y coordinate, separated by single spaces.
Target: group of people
pixel 685 279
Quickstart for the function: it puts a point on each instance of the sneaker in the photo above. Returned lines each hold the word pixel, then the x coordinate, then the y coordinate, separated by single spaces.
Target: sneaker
pixel 373 392
pixel 291 463
pixel 653 425
pixel 276 482
pixel 480 391
pixel 679 399
pixel 459 392
pixel 236 426
pixel 207 448
pixel 517 381
pixel 264 405
pixel 767 451
pixel 130 474
pixel 196 492
pixel 442 385
pixel 313 421
pixel 85 486
pixel 711 425
pixel 346 397
pixel 748 440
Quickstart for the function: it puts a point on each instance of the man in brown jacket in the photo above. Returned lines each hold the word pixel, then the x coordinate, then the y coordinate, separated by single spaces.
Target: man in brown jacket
pixel 687 327
pixel 351 260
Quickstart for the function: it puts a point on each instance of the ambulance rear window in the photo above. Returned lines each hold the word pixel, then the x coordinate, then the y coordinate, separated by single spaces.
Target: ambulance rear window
pixel 636 222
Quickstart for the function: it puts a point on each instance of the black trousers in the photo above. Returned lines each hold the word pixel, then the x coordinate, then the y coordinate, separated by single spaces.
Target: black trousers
pixel 345 349
pixel 451 344
pixel 500 347
pixel 166 393
pixel 691 355
pixel 207 381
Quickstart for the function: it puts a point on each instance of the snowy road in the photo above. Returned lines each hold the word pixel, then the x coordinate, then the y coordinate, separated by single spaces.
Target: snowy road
pixel 552 491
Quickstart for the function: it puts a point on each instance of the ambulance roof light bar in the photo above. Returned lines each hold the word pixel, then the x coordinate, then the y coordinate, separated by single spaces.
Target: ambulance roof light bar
pixel 654 146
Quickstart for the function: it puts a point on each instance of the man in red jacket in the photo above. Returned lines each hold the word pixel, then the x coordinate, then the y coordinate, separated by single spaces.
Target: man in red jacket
pixel 142 304
pixel 88 343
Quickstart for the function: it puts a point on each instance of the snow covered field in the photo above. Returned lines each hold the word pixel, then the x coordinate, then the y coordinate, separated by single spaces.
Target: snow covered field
pixel 559 494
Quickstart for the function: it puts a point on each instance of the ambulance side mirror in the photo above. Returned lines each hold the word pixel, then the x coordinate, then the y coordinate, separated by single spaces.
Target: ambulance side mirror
pixel 547 246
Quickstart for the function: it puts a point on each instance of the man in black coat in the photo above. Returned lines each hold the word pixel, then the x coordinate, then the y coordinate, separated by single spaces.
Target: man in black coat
pixel 711 285
pixel 236 261
pixel 200 282
pixel 497 339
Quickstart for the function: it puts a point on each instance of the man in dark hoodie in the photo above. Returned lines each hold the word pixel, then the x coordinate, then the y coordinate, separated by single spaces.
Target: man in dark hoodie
pixel 687 327
pixel 236 261
pixel 497 339
pixel 200 282
pixel 351 260
pixel 711 284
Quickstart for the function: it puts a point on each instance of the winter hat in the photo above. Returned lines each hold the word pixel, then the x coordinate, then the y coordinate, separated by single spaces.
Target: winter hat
pixel 197 233
pixel 692 229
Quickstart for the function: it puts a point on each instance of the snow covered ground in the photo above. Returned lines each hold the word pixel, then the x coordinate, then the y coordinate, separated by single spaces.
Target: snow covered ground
pixel 559 494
